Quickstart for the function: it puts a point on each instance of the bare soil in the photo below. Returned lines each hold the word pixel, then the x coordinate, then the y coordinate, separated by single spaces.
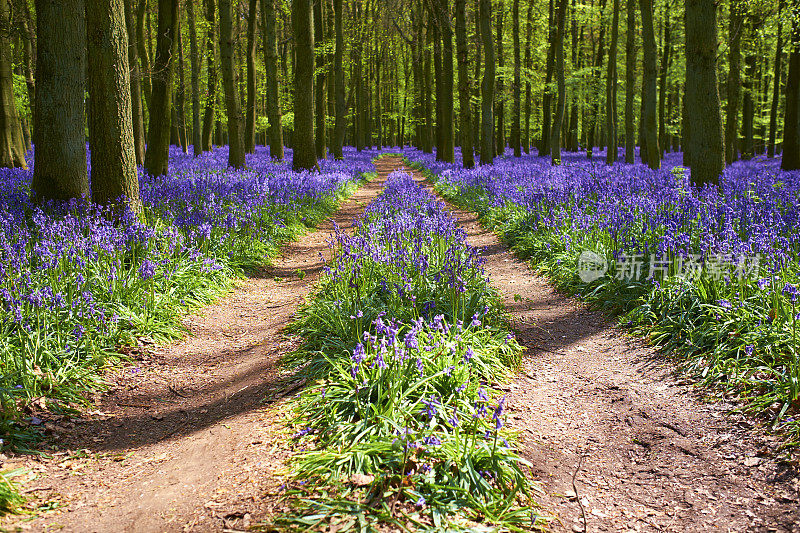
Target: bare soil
pixel 192 436
pixel 618 441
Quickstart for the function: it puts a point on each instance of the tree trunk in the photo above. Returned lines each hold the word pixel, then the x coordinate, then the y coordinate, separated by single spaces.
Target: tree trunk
pixel 791 117
pixel 526 140
pixel 136 87
pixel 630 83
pixel 438 77
pixel 776 86
pixel 577 60
pixel 320 89
pixel 611 90
pixel 500 137
pixel 652 155
pixel 115 180
pixel 555 137
pixel 666 59
pixel 194 57
pixel 28 35
pixel 448 131
pixel 233 108
pixel 303 137
pixel 595 88
pixel 487 87
pixel 156 157
pixel 703 140
pixel 735 25
pixel 12 140
pixel 465 133
pixel 144 55
pixel 180 96
pixel 515 119
pixel 250 110
pixel 60 172
pixel 428 147
pixel 268 19
pixel 748 100
pixel 209 120
pixel 338 74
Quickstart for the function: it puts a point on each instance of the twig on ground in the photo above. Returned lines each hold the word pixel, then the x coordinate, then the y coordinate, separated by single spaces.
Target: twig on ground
pixel 577 496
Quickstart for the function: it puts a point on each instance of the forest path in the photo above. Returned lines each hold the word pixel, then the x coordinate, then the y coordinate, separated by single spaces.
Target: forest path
pixel 193 437
pixel 597 406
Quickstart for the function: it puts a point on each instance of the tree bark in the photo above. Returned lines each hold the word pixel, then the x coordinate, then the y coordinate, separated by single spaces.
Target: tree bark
pixel 630 83
pixel 611 90
pixel 652 156
pixel 250 108
pixel 555 137
pixel 666 60
pixel 748 100
pixel 338 75
pixel 487 87
pixel 735 24
pixel 703 139
pixel 60 172
pixel 776 85
pixel 209 120
pixel 465 134
pixel 194 58
pixel 156 157
pixel 136 87
pixel 115 180
pixel 12 140
pixel 268 20
pixel 448 131
pixel 303 137
pixel 791 117
pixel 233 108
pixel 144 55
pixel 180 95
pixel 594 117
pixel 526 140
pixel 500 103
pixel 320 88
pixel 515 119
pixel 547 97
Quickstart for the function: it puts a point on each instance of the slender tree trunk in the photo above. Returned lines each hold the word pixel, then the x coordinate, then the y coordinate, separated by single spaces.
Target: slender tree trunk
pixel 330 31
pixel 611 90
pixel 776 85
pixel 144 55
pixel 630 83
pixel 547 97
pixel 515 119
pixel 12 140
pixel 735 26
pixel 666 59
pixel 338 74
pixel 438 77
pixel 748 100
pixel 791 117
pixel 136 88
pixel 60 172
pixel 500 100
pixel 268 19
pixel 303 137
pixel 114 176
pixel 428 148
pixel 652 155
pixel 465 134
pixel 156 157
pixel 526 141
pixel 487 88
pixel 320 89
pixel 703 139
pixel 28 35
pixel 577 60
pixel 555 137
pixel 448 131
pixel 236 151
pixel 194 57
pixel 180 100
pixel 209 120
pixel 595 90
pixel 250 108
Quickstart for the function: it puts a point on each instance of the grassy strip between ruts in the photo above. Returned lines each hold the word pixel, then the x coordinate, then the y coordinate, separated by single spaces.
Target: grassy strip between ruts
pixel 407 342
pixel 120 283
pixel 728 335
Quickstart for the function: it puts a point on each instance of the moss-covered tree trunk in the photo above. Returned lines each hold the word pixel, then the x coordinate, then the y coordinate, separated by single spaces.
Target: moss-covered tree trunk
pixel 652 155
pixel 230 83
pixel 194 59
pixel 320 88
pixel 500 102
pixel 703 139
pixel 156 157
pixel 487 85
pixel 630 82
pixel 611 90
pixel 776 85
pixel 304 157
pixel 250 106
pixel 558 117
pixel 338 80
pixel 12 140
pixel 465 133
pixel 114 175
pixel 136 85
pixel 268 22
pixel 209 119
pixel 60 172
pixel 526 136
pixel 448 118
pixel 663 84
pixel 516 142
pixel 735 27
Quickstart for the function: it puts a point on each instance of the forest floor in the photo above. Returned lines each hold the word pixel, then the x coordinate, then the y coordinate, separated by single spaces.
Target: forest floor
pixel 193 437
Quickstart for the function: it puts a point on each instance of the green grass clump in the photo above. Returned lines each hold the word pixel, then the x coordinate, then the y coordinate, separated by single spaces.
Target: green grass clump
pixel 11 501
